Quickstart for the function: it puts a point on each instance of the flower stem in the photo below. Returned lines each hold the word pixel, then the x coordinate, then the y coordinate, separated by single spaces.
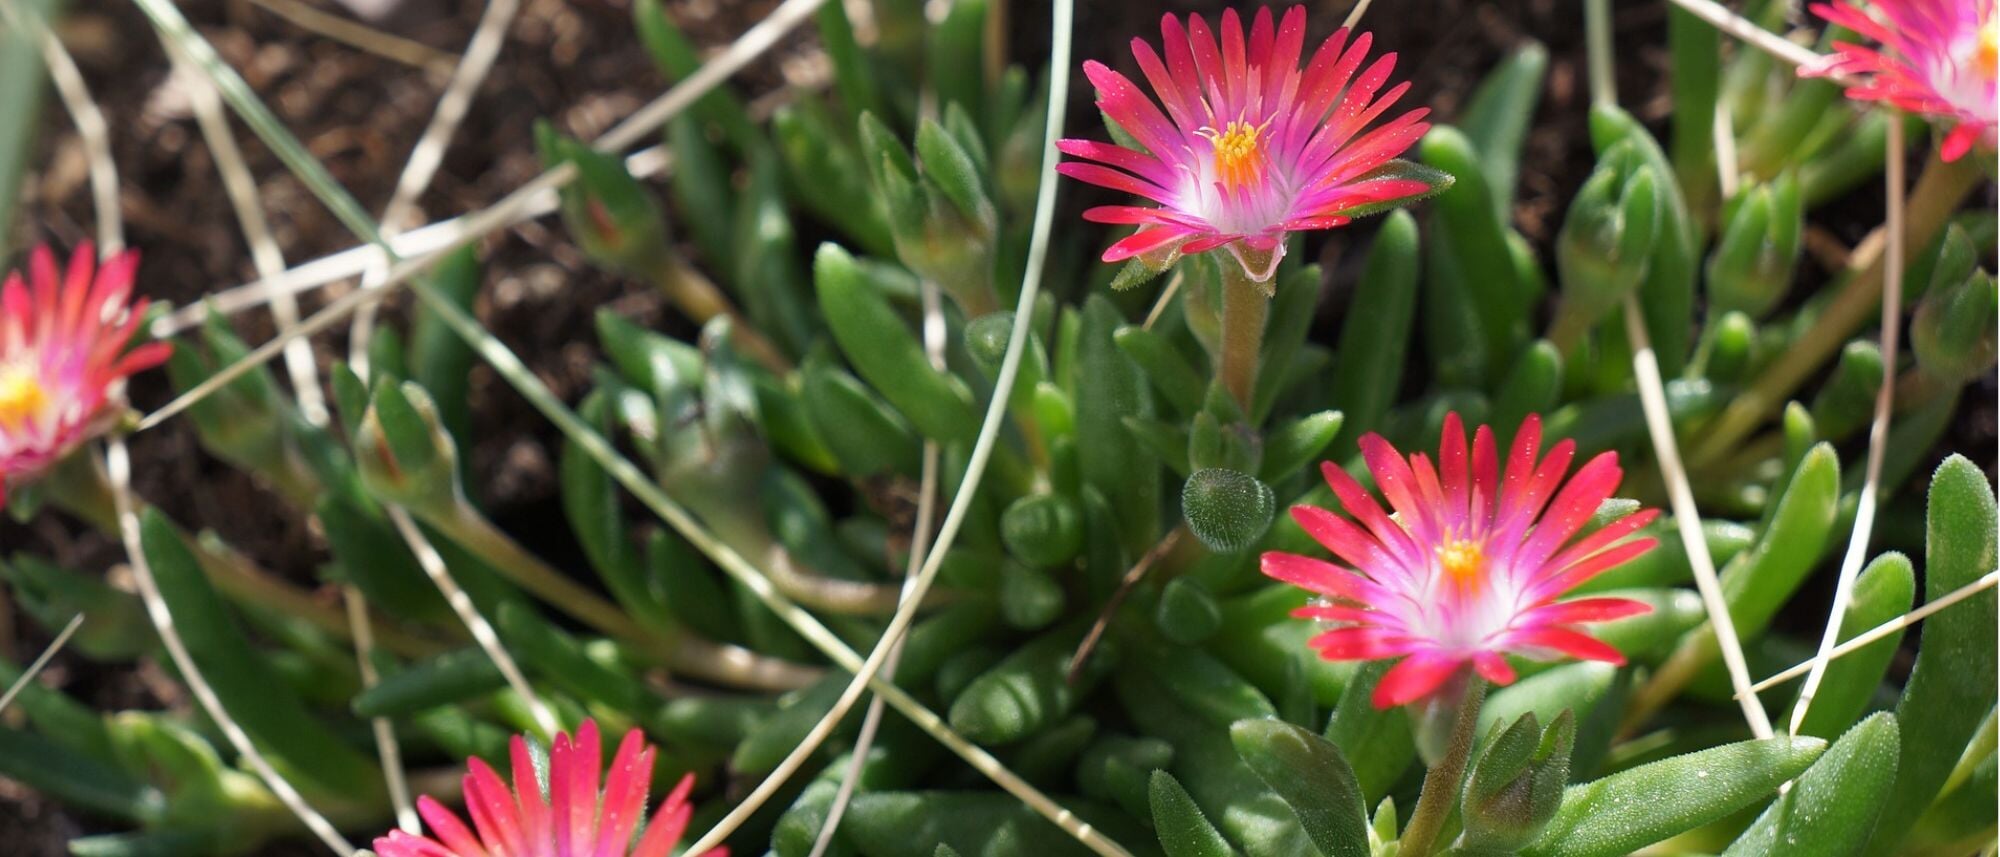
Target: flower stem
pixel 1441 784
pixel 1244 311
pixel 698 297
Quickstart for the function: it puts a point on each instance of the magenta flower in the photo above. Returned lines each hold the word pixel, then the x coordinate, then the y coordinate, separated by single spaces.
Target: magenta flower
pixel 1250 146
pixel 1940 58
pixel 63 362
pixel 1470 567
pixel 573 820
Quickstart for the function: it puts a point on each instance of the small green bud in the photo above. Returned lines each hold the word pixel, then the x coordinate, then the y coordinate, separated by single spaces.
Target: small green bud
pixel 1043 530
pixel 615 219
pixel 1606 242
pixel 241 422
pixel 1517 785
pixel 1752 265
pixel 1228 510
pixel 1952 334
pixel 404 453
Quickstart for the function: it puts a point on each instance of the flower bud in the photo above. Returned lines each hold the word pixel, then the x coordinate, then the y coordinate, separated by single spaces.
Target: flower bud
pixel 1228 510
pixel 1517 785
pixel 403 451
pixel 1753 261
pixel 613 217
pixel 1952 334
pixel 241 422
pixel 1606 242
pixel 942 218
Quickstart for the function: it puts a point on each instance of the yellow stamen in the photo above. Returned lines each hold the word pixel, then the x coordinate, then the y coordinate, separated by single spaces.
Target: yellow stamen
pixel 1463 561
pixel 21 396
pixel 1239 160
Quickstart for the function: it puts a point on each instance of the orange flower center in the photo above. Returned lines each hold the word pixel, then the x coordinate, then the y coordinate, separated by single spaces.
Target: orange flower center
pixel 1986 57
pixel 1463 561
pixel 21 396
pixel 1239 160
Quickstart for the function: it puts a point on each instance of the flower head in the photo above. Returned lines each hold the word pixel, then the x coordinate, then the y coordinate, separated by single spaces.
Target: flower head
pixel 1469 568
pixel 573 819
pixel 1940 58
pixel 1251 146
pixel 63 362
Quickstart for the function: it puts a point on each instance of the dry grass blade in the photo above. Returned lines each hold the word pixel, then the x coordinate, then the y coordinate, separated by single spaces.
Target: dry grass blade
pixel 1687 518
pixel 920 544
pixel 1747 30
pixel 41 661
pixel 387 749
pixel 1660 425
pixel 241 187
pixel 482 631
pixel 1861 640
pixel 118 465
pixel 90 125
pixel 867 672
pixel 361 37
pixel 428 155
pixel 1878 429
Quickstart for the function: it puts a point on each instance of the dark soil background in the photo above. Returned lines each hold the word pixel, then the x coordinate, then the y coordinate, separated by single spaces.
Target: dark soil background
pixel 579 64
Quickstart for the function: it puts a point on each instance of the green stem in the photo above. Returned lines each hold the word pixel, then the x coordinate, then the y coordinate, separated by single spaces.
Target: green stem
pixel 1441 784
pixel 1244 311
pixel 1937 195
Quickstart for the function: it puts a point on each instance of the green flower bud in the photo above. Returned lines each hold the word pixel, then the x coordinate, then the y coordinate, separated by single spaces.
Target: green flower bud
pixel 1517 785
pixel 1228 510
pixel 942 218
pixel 241 423
pixel 1753 261
pixel 614 218
pixel 1043 530
pixel 403 451
pixel 1952 334
pixel 1606 242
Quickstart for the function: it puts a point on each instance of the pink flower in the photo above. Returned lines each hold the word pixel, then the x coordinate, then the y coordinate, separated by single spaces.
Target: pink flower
pixel 63 362
pixel 1469 569
pixel 1250 146
pixel 1940 58
pixel 569 822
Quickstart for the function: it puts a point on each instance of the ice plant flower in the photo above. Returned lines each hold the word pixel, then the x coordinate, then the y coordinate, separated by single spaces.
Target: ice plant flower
pixel 1469 568
pixel 63 361
pixel 1250 146
pixel 566 817
pixel 1940 58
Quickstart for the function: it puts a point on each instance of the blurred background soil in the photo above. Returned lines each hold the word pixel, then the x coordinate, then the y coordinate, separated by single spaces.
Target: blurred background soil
pixel 579 64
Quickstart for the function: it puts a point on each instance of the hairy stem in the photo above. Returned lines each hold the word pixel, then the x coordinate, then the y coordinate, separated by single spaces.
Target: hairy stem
pixel 1441 783
pixel 1244 311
